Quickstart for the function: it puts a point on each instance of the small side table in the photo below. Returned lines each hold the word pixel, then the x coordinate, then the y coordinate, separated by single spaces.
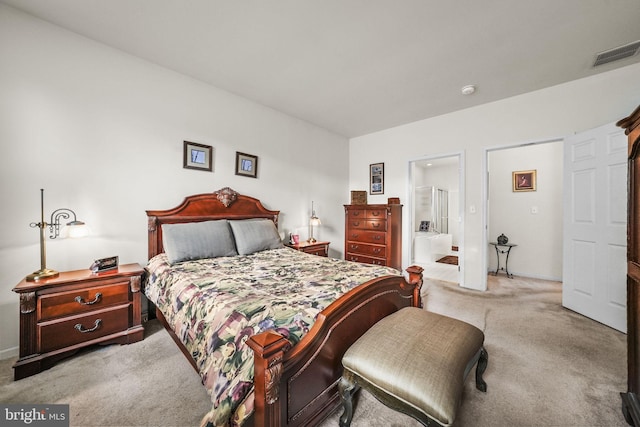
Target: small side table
pixel 503 249
pixel 315 248
pixel 61 315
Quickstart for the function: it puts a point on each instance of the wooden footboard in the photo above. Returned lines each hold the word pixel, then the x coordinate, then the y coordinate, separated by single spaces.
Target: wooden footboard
pixel 299 386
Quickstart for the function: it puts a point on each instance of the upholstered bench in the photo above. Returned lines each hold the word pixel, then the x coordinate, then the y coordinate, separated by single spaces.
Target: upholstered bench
pixel 415 362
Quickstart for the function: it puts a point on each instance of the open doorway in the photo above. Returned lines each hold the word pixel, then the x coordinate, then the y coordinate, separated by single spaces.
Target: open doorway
pixel 435 231
pixel 528 215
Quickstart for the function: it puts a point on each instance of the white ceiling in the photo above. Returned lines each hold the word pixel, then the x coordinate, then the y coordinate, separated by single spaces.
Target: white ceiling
pixel 359 66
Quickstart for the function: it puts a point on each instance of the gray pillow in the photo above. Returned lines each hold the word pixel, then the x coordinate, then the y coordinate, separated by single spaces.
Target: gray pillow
pixel 197 240
pixel 254 235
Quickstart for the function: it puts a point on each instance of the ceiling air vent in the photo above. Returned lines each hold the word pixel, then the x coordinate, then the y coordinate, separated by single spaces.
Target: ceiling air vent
pixel 617 53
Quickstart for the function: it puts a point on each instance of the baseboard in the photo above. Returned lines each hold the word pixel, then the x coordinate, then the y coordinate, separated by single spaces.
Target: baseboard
pixel 527 275
pixel 9 353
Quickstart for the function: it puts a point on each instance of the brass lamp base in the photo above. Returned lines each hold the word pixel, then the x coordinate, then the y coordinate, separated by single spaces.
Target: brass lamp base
pixel 42 274
pixel 311 240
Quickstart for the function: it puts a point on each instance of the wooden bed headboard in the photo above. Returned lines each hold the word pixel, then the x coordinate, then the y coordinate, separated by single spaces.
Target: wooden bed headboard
pixel 222 204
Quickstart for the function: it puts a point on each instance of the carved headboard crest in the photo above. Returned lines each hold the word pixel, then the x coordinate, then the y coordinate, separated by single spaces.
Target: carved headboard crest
pixel 226 196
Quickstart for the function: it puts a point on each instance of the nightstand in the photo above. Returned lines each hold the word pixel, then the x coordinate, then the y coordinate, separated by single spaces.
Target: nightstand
pixel 315 248
pixel 61 315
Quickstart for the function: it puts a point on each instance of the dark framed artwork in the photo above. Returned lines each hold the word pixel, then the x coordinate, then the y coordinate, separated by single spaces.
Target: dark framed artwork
pixel 524 180
pixel 197 156
pixel 376 178
pixel 246 165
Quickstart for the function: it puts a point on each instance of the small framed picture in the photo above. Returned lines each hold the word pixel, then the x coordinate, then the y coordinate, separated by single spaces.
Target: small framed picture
pixel 524 180
pixel 376 178
pixel 198 156
pixel 246 165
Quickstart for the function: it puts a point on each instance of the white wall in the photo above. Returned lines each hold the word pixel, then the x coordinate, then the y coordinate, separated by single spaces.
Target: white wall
pixel 102 132
pixel 537 116
pixel 531 219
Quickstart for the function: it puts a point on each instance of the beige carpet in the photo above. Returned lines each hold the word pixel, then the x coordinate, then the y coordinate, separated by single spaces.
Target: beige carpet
pixel 547 366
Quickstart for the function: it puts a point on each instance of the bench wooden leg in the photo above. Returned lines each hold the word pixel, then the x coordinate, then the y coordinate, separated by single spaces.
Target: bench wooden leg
pixel 480 368
pixel 347 387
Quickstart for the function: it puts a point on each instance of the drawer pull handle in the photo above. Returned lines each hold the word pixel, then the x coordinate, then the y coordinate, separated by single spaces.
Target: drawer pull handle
pixel 95 300
pixel 96 325
pixel 378 237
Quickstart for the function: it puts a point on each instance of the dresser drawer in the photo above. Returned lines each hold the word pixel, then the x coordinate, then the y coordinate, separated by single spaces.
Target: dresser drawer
pixel 368 224
pixel 356 214
pixel 366 249
pixel 370 213
pixel 376 213
pixel 68 331
pixel 364 259
pixel 83 300
pixel 378 237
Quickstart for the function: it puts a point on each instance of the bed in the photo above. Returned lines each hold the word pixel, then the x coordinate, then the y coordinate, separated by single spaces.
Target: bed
pixel 274 358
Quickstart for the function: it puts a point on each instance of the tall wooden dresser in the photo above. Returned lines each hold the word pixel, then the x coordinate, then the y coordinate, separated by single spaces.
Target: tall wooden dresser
pixel 373 234
pixel 630 399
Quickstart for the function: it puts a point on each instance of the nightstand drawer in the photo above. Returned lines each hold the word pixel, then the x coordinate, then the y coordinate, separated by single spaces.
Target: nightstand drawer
pixel 65 332
pixel 315 248
pixel 319 251
pixel 84 299
pixel 365 249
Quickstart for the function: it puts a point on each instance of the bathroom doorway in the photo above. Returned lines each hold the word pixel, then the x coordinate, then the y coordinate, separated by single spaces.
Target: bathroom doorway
pixel 436 217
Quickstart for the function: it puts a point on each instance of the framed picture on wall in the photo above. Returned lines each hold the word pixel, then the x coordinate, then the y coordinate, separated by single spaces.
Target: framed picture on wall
pixel 376 178
pixel 197 156
pixel 524 180
pixel 246 165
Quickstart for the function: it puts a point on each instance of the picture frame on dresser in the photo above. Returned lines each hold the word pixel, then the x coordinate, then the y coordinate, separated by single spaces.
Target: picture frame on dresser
pixel 376 178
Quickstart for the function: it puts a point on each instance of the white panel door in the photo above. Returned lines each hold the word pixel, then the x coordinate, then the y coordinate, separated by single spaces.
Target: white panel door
pixel 595 225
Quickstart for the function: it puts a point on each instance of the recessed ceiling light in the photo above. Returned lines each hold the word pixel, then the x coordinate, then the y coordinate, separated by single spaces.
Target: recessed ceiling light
pixel 468 89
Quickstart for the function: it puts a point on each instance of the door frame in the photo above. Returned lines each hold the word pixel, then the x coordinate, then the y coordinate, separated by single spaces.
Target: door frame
pixel 484 250
pixel 461 207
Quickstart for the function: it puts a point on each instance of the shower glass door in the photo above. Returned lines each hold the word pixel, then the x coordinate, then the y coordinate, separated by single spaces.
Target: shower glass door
pixel 440 210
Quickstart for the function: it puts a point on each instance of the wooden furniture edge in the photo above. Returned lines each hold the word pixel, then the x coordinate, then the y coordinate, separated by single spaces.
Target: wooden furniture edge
pixel 280 367
pixel 630 403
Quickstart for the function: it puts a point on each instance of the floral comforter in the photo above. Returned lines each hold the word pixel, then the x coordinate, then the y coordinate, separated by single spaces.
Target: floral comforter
pixel 215 304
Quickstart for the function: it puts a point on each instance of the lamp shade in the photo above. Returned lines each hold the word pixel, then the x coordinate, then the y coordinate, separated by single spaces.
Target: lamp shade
pixel 76 230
